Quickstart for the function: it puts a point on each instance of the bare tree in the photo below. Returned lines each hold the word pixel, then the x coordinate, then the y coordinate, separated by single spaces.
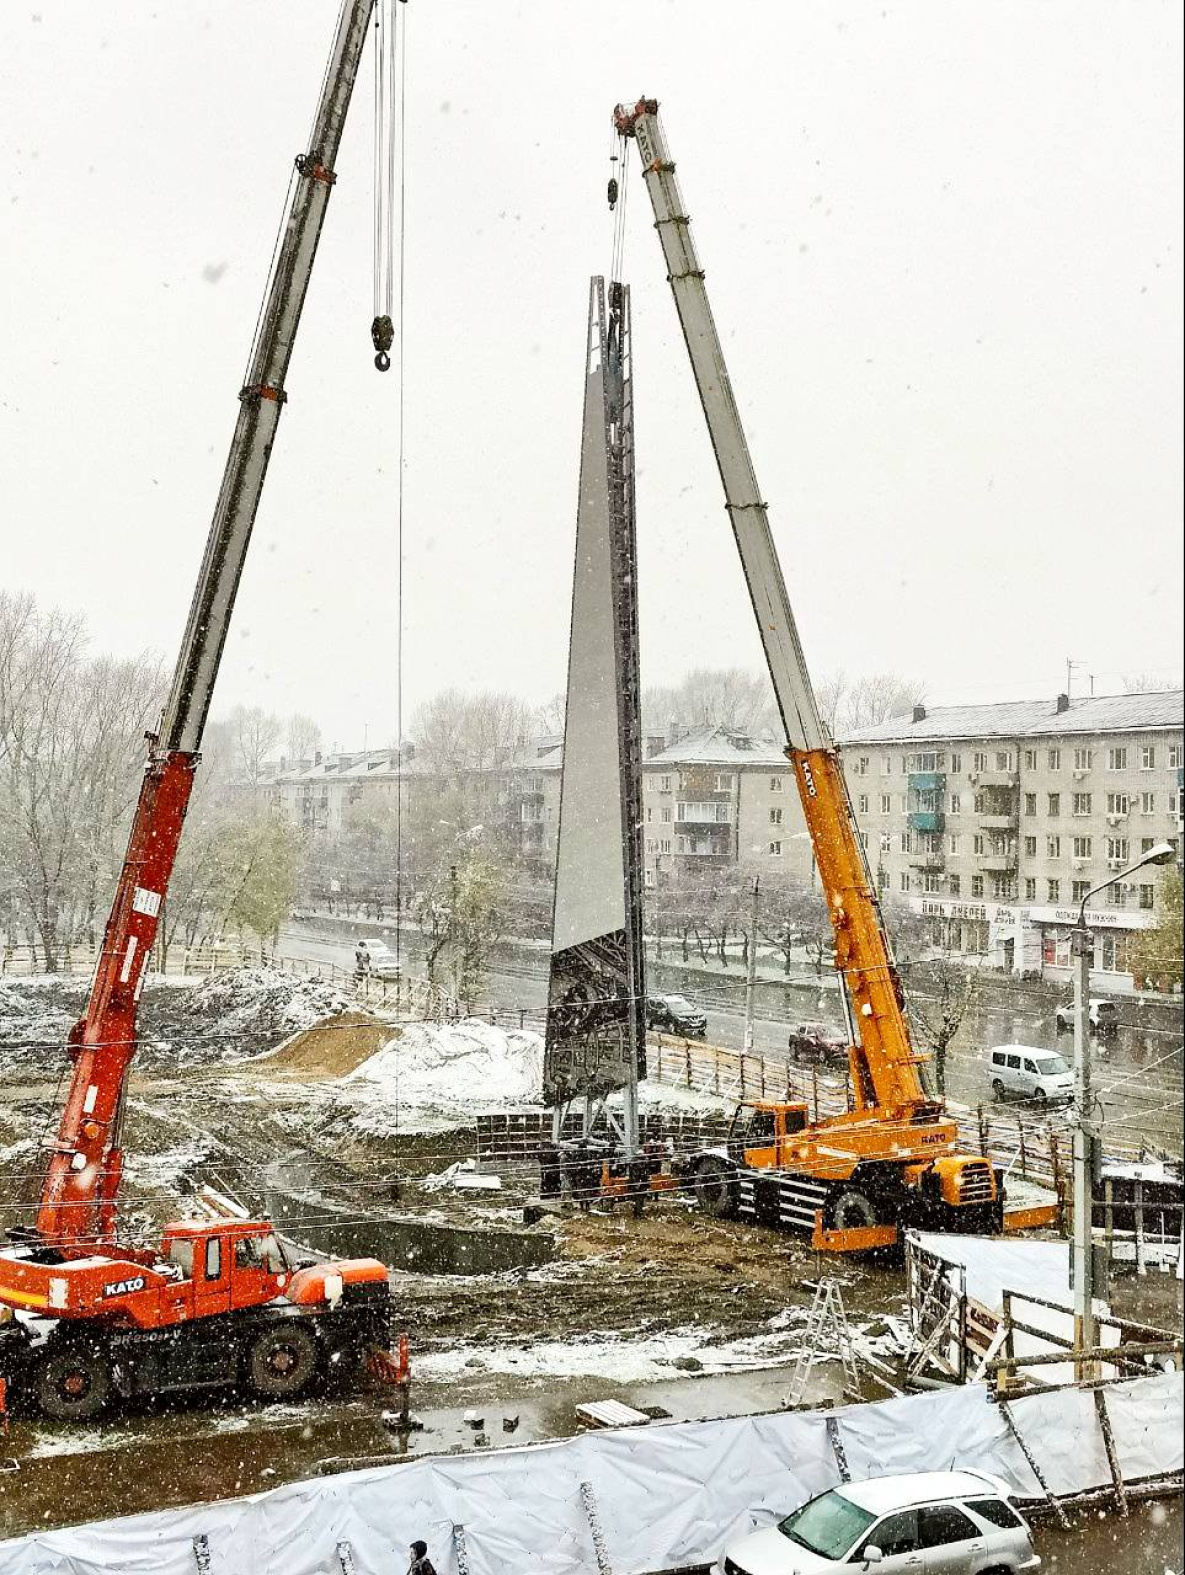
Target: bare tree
pixel 877 697
pixel 730 697
pixel 458 733
pixel 302 736
pixel 940 995
pixel 256 734
pixel 1148 683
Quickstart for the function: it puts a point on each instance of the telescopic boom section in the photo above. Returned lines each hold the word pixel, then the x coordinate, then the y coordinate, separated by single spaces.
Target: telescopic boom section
pixel 83 1175
pixel 884 1064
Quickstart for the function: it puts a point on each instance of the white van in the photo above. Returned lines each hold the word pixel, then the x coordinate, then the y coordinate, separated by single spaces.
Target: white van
pixel 382 959
pixel 1020 1072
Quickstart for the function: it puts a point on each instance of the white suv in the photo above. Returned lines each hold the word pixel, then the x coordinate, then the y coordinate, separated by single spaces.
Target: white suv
pixel 928 1523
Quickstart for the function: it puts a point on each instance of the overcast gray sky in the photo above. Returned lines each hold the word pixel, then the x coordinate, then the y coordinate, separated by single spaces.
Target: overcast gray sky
pixel 943 247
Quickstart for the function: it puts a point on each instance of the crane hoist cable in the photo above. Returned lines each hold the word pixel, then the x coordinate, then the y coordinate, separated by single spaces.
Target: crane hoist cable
pixel 618 191
pixel 388 172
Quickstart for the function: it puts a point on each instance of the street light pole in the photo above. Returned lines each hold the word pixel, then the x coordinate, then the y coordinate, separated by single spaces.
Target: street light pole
pixel 1085 1137
pixel 751 980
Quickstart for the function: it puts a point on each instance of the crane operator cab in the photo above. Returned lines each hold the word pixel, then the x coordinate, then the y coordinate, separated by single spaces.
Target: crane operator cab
pixel 758 1128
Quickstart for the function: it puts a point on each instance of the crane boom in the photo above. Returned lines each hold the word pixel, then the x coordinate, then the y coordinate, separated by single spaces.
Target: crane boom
pixel 885 1066
pixel 85 1165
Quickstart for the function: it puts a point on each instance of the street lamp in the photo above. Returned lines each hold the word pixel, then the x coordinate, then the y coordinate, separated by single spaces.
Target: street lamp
pixel 1081 947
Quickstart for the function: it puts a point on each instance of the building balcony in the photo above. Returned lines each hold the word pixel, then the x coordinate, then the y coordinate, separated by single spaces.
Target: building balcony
pixel 926 781
pixel 994 820
pixel 999 863
pixel 996 779
pixel 927 861
pixel 706 813
pixel 927 820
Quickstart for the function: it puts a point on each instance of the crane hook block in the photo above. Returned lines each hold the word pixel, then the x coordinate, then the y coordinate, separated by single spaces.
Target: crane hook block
pixel 612 192
pixel 382 336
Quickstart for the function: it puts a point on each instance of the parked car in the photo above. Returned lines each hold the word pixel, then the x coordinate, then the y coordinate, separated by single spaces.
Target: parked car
pixel 1020 1072
pixel 925 1523
pixel 383 964
pixel 818 1044
pixel 673 1014
pixel 1103 1016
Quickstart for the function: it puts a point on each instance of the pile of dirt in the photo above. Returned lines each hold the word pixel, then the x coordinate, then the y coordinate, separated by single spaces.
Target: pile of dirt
pixel 36 1015
pixel 332 1048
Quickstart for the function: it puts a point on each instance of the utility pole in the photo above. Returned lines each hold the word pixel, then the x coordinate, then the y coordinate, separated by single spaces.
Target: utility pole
pixel 1082 1252
pixel 1085 1138
pixel 751 980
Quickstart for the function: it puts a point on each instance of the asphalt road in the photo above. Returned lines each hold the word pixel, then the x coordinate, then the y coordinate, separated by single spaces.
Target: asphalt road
pixel 1138 1073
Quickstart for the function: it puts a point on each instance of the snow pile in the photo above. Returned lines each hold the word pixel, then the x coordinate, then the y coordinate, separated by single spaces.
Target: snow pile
pixel 442 1070
pixel 260 1006
pixel 36 1015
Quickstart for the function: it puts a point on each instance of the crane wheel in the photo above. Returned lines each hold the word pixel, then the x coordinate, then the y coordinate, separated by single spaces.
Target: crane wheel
pixel 715 1189
pixel 73 1382
pixel 282 1361
pixel 852 1209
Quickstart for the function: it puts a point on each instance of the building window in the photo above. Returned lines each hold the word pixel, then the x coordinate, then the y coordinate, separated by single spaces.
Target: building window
pixel 954 883
pixel 904 880
pixel 1030 847
pixel 1030 803
pixel 664 784
pixel 724 781
pixel 928 760
pixel 1118 803
pixel 775 850
pixel 1053 889
pixel 1147 897
pixel 666 816
pixel 979 760
pixel 1174 757
pixel 864 840
pixel 886 765
pixel 775 783
pixel 1118 850
pixel 904 802
pixel 1082 805
pixel 882 880
pixel 1079 890
pixel 1004 760
pixel 1053 847
pixel 1147 803
pixel 1147 757
pixel 861 804
pixel 1083 759
pixel 977 844
pixel 953 843
pixel 665 845
pixel 1030 889
pixel 977 885
pixel 931 882
pixel 1054 805
pixel 886 803
pixel 649 814
pixel 1002 888
pixel 956 804
pixel 956 763
pixel 1082 847
pixel 775 817
pixel 1119 895
pixel 906 842
pixel 862 766
pixel 1117 759
pixel 1030 760
pixel 1055 760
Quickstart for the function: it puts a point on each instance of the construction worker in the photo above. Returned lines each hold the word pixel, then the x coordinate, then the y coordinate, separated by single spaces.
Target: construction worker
pixel 361 961
pixel 420 1564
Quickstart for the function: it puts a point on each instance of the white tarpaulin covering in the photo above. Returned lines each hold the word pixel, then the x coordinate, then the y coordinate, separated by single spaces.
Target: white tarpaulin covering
pixel 667 1496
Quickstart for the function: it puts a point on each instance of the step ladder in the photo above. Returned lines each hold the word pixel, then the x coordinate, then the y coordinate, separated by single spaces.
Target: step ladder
pixel 828 1316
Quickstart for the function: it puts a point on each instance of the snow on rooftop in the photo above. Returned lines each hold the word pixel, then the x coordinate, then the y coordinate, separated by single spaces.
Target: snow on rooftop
pixel 1132 713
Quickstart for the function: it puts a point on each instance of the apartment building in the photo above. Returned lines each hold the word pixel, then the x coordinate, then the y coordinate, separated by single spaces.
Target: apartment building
pixel 722 797
pixel 520 795
pixel 994 821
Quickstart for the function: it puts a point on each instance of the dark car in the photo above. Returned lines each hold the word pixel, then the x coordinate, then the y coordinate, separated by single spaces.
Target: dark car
pixel 672 1014
pixel 818 1044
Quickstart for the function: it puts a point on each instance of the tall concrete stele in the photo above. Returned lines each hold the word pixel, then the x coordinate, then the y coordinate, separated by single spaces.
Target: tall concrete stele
pixel 596 1031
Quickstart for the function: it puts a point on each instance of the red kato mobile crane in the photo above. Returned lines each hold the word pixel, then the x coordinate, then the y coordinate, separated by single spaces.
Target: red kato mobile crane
pixel 88 1317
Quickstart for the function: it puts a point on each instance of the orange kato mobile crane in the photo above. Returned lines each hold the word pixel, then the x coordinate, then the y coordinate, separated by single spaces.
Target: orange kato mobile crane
pixel 854 1179
pixel 87 1316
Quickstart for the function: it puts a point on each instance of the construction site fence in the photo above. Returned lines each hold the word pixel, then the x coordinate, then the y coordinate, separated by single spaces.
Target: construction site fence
pixel 631 1500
